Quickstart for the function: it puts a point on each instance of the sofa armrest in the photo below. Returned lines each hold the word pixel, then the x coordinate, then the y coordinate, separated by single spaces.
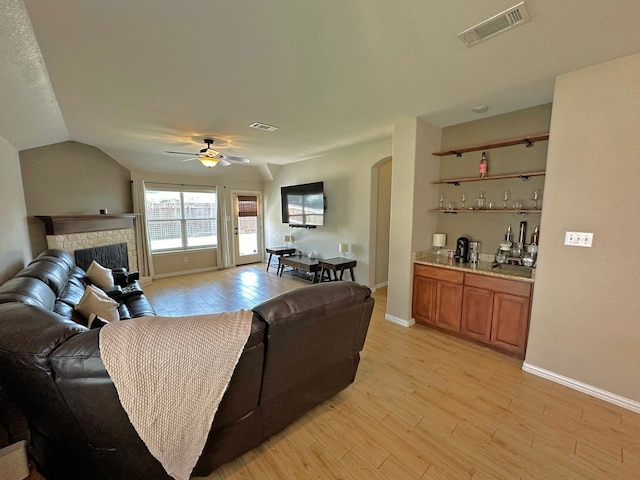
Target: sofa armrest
pixel 123 277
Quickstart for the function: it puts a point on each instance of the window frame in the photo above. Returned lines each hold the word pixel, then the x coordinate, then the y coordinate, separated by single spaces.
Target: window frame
pixel 183 220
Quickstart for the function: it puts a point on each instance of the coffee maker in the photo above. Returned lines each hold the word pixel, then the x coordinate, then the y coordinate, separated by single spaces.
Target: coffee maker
pixel 462 250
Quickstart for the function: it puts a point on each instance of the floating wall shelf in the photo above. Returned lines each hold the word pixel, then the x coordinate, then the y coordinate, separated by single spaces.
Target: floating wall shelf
pixel 528 141
pixel 457 181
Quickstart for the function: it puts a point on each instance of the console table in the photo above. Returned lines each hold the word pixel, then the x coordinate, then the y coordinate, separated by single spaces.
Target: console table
pixel 335 265
pixel 279 252
pixel 305 264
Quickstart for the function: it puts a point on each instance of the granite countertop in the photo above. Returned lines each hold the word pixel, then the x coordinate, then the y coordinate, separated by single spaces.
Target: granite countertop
pixel 484 267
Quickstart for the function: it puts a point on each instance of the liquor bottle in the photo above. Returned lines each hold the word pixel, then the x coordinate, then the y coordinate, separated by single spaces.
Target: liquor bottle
pixel 483 165
pixel 523 226
pixel 535 236
pixel 508 237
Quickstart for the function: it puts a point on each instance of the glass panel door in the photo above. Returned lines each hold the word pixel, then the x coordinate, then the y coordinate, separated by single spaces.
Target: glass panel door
pixel 247 227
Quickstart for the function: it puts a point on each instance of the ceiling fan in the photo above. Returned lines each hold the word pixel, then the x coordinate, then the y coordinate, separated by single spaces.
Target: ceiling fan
pixel 210 157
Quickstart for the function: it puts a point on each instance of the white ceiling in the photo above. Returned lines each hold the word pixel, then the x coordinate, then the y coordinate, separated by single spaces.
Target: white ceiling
pixel 138 77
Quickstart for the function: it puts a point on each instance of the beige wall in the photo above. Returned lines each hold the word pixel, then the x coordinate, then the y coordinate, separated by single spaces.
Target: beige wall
pixel 170 264
pixel 383 214
pixel 71 177
pixel 15 252
pixel 586 306
pixel 489 229
pixel 346 174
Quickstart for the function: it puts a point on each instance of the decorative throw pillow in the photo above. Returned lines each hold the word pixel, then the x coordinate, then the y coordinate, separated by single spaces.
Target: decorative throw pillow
pixel 96 303
pixel 101 276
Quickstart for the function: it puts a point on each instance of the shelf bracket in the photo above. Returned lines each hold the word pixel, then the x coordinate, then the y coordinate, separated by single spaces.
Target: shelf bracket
pixel 528 143
pixel 524 178
pixel 458 154
pixel 457 184
pixel 452 213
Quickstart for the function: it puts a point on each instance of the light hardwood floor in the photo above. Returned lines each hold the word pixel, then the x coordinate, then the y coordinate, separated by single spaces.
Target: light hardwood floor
pixel 424 406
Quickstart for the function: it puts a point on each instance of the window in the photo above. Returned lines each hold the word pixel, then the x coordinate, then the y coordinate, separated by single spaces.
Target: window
pixel 180 218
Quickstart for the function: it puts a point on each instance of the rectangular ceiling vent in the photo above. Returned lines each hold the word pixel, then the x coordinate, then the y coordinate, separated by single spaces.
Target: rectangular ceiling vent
pixel 263 126
pixel 511 18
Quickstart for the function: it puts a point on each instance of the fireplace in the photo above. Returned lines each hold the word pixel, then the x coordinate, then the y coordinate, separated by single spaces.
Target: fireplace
pixel 109 256
pixel 82 232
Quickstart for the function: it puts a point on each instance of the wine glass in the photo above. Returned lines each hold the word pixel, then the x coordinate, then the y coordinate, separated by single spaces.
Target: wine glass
pixel 505 197
pixel 442 200
pixel 535 196
pixel 463 199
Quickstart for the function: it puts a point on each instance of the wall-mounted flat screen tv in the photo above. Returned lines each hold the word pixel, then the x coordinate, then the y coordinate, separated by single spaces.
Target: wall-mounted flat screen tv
pixel 303 205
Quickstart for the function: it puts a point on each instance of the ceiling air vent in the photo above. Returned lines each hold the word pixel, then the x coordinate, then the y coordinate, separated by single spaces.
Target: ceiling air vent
pixel 511 18
pixel 263 126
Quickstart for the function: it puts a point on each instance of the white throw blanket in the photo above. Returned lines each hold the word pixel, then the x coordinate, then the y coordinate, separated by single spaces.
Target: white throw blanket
pixel 170 374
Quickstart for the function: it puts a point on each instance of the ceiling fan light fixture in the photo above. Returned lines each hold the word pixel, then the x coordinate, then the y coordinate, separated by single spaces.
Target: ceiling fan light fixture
pixel 207 161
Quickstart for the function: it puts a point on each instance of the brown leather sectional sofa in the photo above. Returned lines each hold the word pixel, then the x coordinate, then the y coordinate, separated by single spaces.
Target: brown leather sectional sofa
pixel 303 348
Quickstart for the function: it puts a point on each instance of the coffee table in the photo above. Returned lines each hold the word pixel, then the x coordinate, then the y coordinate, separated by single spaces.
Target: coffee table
pixel 279 251
pixel 305 264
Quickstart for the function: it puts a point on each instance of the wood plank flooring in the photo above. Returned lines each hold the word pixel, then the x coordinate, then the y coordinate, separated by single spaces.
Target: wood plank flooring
pixel 424 406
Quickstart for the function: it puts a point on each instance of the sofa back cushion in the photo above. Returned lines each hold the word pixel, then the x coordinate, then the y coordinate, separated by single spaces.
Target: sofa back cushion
pixel 309 330
pixel 56 255
pixel 54 275
pixel 27 290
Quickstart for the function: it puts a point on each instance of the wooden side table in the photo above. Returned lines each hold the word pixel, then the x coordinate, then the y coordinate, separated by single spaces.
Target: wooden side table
pixel 279 252
pixel 335 265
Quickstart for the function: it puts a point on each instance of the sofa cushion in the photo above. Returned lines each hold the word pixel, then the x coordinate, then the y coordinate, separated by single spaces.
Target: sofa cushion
pixel 135 306
pixel 56 255
pixel 29 291
pixel 100 275
pixel 96 303
pixel 55 275
pixel 72 292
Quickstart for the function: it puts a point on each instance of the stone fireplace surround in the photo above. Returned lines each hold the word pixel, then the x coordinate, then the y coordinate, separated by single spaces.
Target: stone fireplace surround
pixel 76 232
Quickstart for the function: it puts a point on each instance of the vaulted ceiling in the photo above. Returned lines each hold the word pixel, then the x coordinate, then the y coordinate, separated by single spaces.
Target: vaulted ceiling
pixel 136 78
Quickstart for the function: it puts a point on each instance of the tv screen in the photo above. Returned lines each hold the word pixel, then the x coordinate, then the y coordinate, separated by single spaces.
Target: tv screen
pixel 303 205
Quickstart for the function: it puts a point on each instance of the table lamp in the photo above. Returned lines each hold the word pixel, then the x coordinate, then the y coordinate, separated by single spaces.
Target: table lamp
pixel 439 241
pixel 343 248
pixel 288 240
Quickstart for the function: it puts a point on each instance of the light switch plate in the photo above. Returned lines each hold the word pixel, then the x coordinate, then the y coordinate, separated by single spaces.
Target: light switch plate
pixel 578 239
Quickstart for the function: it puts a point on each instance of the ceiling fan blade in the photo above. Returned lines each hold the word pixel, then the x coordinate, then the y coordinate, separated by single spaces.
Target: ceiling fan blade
pixel 181 153
pixel 190 159
pixel 234 159
pixel 223 162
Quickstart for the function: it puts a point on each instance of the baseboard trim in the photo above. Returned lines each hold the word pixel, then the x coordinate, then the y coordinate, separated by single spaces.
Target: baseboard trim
pixel 185 272
pixel 383 284
pixel 400 321
pixel 583 387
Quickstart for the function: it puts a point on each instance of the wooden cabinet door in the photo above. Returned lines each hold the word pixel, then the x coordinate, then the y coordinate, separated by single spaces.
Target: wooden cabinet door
pixel 510 323
pixel 448 306
pixel 477 310
pixel 424 300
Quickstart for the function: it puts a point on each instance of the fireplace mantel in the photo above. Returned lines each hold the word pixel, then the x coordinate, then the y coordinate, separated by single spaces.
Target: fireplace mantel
pixel 64 224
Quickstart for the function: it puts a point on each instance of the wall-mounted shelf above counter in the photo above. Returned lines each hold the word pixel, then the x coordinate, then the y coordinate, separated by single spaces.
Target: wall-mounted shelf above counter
pixel 457 181
pixel 528 141
pixel 485 210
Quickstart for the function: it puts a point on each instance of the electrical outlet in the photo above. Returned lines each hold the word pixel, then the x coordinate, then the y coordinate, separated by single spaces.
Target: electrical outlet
pixel 186 259
pixel 578 239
